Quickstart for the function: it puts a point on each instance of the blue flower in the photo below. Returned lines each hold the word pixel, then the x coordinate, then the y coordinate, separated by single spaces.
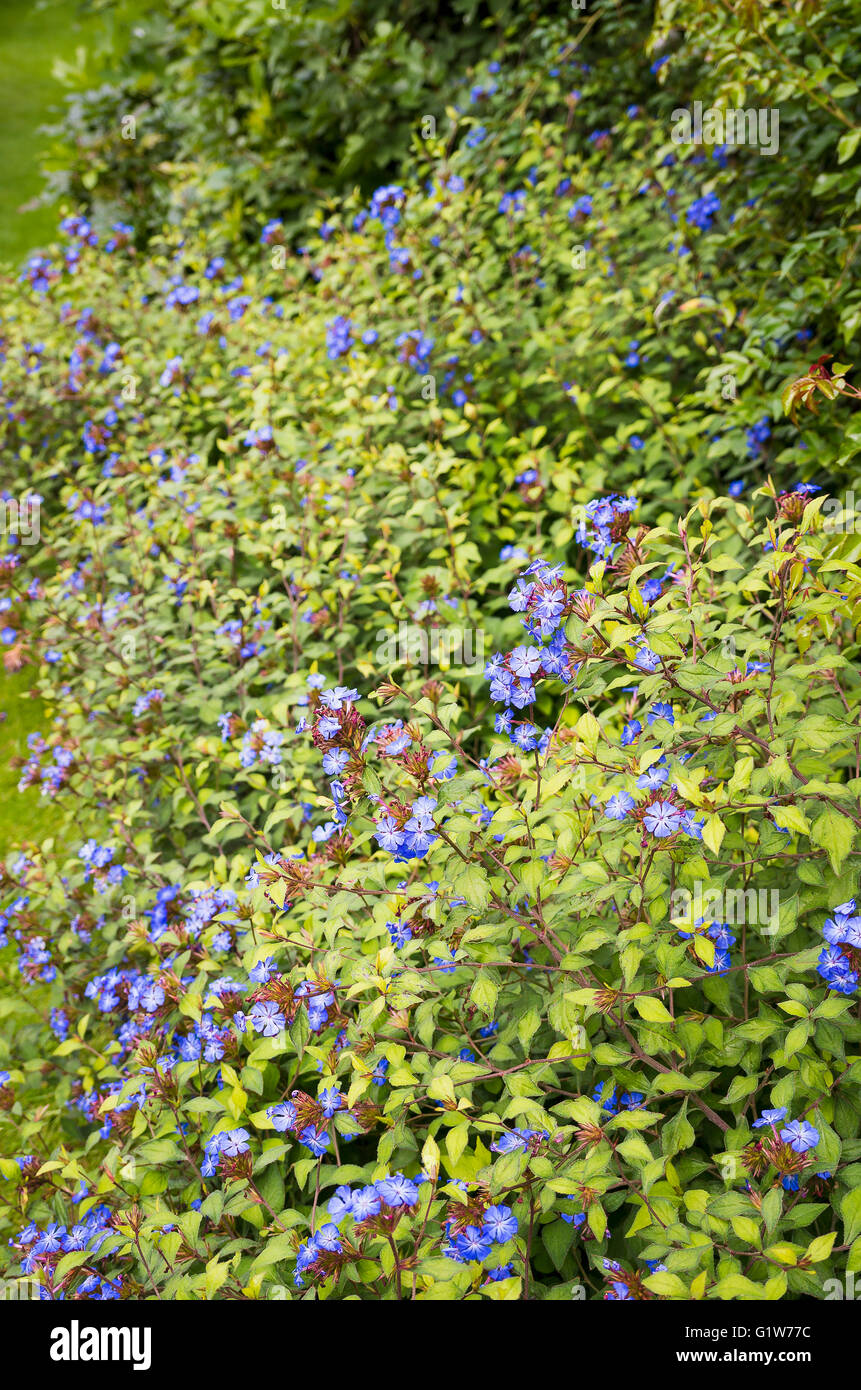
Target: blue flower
pixel 234 1142
pixel 335 761
pixel 663 819
pixel 267 1018
pixel 283 1116
pixel 473 1244
pixel 366 1203
pixel 653 779
pixel 619 805
pixel 500 1224
pixel 770 1117
pixel 800 1136
pixel 397 1190
pixel 318 1143
pixel 331 1101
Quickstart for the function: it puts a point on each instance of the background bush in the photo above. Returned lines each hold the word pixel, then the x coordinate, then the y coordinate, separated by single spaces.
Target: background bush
pixel 386 991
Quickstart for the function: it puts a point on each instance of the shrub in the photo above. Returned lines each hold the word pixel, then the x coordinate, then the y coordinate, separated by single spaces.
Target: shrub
pixel 487 968
pixel 457 698
pixel 254 108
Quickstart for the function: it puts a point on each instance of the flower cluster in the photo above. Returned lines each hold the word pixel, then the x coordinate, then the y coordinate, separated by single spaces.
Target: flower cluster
pixel 840 961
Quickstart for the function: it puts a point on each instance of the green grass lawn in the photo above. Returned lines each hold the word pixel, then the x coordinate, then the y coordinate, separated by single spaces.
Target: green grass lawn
pixel 23 815
pixel 33 33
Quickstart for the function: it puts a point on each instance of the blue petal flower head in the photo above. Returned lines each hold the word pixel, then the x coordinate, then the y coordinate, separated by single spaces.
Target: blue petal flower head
pixel 662 819
pixel 397 1190
pixel 366 1203
pixel 800 1136
pixel 525 662
pixel 235 1142
pixel 335 761
pixel 581 207
pixel 500 1224
pixel 618 1292
pixel 610 1104
pixel 651 590
pixel 318 1143
pixel 266 1018
pixel 522 694
pixel 844 926
pixel 263 971
pixel 721 963
pixel 283 1115
pixel 399 933
pixel 51 1241
pixel 338 697
pixel 331 1101
pixel 329 1238
pixel 653 779
pixel 388 834
pixel 473 1244
pixel 513 1139
pixel 721 935
pixel 835 969
pixel 646 660
pixel 525 736
pixel 770 1117
pixel 619 806
pixel 702 211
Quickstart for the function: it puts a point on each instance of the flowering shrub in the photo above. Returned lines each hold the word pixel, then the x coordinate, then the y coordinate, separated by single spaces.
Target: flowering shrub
pixel 367 975
pixel 461 1034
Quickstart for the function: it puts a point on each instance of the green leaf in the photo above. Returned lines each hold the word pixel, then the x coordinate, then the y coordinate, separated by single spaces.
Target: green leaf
pixel 848 144
pixel 836 834
pixel 471 883
pixel 558 1237
pixel 666 1285
pixel 484 993
pixel 772 1205
pixel 850 1210
pixel 71 1261
pixel 651 1009
pixel 820 1248
pixel 676 1134
pixel 713 832
pixel 597 1220
pixel 791 818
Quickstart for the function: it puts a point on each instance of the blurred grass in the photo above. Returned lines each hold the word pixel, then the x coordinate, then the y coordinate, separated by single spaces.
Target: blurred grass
pixel 23 815
pixel 33 33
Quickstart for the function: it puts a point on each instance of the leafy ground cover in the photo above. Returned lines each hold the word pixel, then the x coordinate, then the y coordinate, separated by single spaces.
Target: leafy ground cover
pixel 35 37
pixel 445 618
